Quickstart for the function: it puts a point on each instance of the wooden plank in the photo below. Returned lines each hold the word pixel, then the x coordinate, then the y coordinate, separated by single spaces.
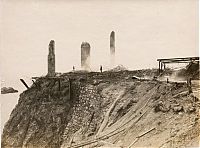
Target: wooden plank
pixel 186 58
pixel 24 83
pixel 137 138
pixel 176 61
pixel 50 78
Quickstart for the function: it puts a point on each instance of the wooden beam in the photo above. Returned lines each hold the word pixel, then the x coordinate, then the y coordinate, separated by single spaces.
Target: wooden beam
pixel 176 62
pixel 186 58
pixel 70 88
pixel 59 85
pixel 23 82
pixel 50 78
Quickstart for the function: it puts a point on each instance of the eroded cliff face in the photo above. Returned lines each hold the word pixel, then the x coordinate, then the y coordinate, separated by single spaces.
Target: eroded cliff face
pixel 103 109
pixel 40 116
pixel 51 111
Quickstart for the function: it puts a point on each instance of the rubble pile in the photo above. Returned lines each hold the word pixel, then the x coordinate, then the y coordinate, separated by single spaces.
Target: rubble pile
pixel 118 68
pixel 86 114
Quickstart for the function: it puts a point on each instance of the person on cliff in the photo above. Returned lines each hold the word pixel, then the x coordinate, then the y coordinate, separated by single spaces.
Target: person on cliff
pixel 189 85
pixel 101 69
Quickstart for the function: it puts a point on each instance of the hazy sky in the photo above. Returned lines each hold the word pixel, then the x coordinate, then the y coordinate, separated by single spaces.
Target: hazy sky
pixel 145 30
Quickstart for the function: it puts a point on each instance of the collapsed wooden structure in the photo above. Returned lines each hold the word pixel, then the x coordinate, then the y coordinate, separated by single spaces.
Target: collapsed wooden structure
pixel 163 62
pixel 50 78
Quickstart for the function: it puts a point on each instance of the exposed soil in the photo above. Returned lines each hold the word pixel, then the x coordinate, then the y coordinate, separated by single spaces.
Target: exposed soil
pixel 109 109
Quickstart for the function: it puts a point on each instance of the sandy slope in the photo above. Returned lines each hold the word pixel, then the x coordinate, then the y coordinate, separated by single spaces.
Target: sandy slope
pixel 150 114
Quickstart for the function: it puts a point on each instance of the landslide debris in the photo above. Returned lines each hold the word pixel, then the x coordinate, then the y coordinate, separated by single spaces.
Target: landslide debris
pixel 109 109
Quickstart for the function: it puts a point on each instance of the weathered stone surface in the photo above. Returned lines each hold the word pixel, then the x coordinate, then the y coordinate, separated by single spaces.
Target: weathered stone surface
pixel 112 48
pixel 85 114
pixel 178 108
pixel 51 59
pixel 39 118
pixel 85 56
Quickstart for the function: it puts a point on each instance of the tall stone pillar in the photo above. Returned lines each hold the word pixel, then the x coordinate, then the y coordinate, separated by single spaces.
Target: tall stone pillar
pixel 85 56
pixel 112 49
pixel 51 59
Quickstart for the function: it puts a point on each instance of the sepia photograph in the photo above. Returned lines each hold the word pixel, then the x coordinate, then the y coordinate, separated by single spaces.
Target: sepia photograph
pixel 99 73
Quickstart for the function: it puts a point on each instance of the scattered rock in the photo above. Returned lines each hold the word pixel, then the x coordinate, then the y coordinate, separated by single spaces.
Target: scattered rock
pixel 161 107
pixel 6 90
pixel 178 109
pixel 97 82
pixel 191 109
pixel 47 117
pixel 119 68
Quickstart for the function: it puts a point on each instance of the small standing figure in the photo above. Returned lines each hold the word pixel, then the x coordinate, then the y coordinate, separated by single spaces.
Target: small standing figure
pixel 73 68
pixel 189 84
pixel 101 68
pixel 167 80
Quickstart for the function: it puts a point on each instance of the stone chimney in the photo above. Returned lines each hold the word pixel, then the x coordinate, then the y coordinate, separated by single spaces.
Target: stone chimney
pixel 112 49
pixel 51 59
pixel 85 56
